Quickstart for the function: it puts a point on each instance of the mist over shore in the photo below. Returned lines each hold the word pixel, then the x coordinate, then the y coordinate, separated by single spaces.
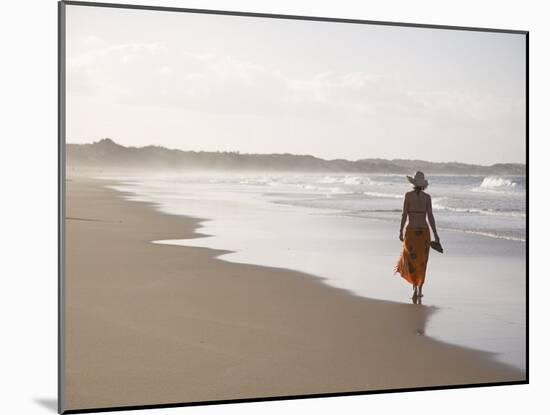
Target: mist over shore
pixel 107 154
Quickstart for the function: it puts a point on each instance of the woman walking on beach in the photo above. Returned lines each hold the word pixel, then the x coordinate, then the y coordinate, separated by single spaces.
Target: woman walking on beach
pixel 416 242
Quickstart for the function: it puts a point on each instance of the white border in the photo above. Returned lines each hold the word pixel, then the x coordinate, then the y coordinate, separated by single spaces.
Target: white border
pixel 29 203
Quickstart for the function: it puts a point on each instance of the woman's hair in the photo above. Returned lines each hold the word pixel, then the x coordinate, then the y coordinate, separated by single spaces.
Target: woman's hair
pixel 417 189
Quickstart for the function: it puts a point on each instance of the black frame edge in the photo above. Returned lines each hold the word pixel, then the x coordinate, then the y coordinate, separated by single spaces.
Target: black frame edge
pixel 288 16
pixel 288 398
pixel 527 331
pixel 61 206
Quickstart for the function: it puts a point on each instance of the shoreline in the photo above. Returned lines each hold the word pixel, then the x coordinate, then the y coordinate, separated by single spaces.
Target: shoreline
pixel 357 253
pixel 182 325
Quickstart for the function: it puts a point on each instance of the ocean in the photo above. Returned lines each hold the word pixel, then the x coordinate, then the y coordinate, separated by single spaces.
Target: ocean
pixel 488 205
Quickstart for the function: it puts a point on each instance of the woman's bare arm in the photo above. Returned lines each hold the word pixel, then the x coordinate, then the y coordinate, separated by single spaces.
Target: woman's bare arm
pixel 431 219
pixel 403 218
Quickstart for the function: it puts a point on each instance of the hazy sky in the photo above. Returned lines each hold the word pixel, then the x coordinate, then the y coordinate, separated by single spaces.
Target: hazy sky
pixel 257 85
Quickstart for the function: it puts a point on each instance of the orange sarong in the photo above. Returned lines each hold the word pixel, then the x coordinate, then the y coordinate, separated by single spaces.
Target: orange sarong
pixel 414 258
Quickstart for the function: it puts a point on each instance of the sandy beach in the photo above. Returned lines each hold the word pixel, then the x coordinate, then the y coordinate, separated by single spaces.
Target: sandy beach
pixel 149 323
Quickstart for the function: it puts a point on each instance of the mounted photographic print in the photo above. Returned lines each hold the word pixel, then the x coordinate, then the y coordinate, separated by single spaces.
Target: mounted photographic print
pixel 258 207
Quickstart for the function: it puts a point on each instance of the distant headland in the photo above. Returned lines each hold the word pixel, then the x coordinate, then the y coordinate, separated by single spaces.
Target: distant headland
pixel 107 154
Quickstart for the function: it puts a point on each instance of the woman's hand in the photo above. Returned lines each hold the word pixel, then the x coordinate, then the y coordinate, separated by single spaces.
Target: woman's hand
pixel 401 236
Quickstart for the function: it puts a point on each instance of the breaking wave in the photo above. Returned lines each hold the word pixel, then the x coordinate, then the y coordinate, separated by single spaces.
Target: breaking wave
pixel 497 183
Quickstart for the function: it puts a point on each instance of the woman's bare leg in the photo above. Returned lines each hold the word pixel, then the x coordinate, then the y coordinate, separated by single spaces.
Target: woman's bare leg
pixel 415 291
